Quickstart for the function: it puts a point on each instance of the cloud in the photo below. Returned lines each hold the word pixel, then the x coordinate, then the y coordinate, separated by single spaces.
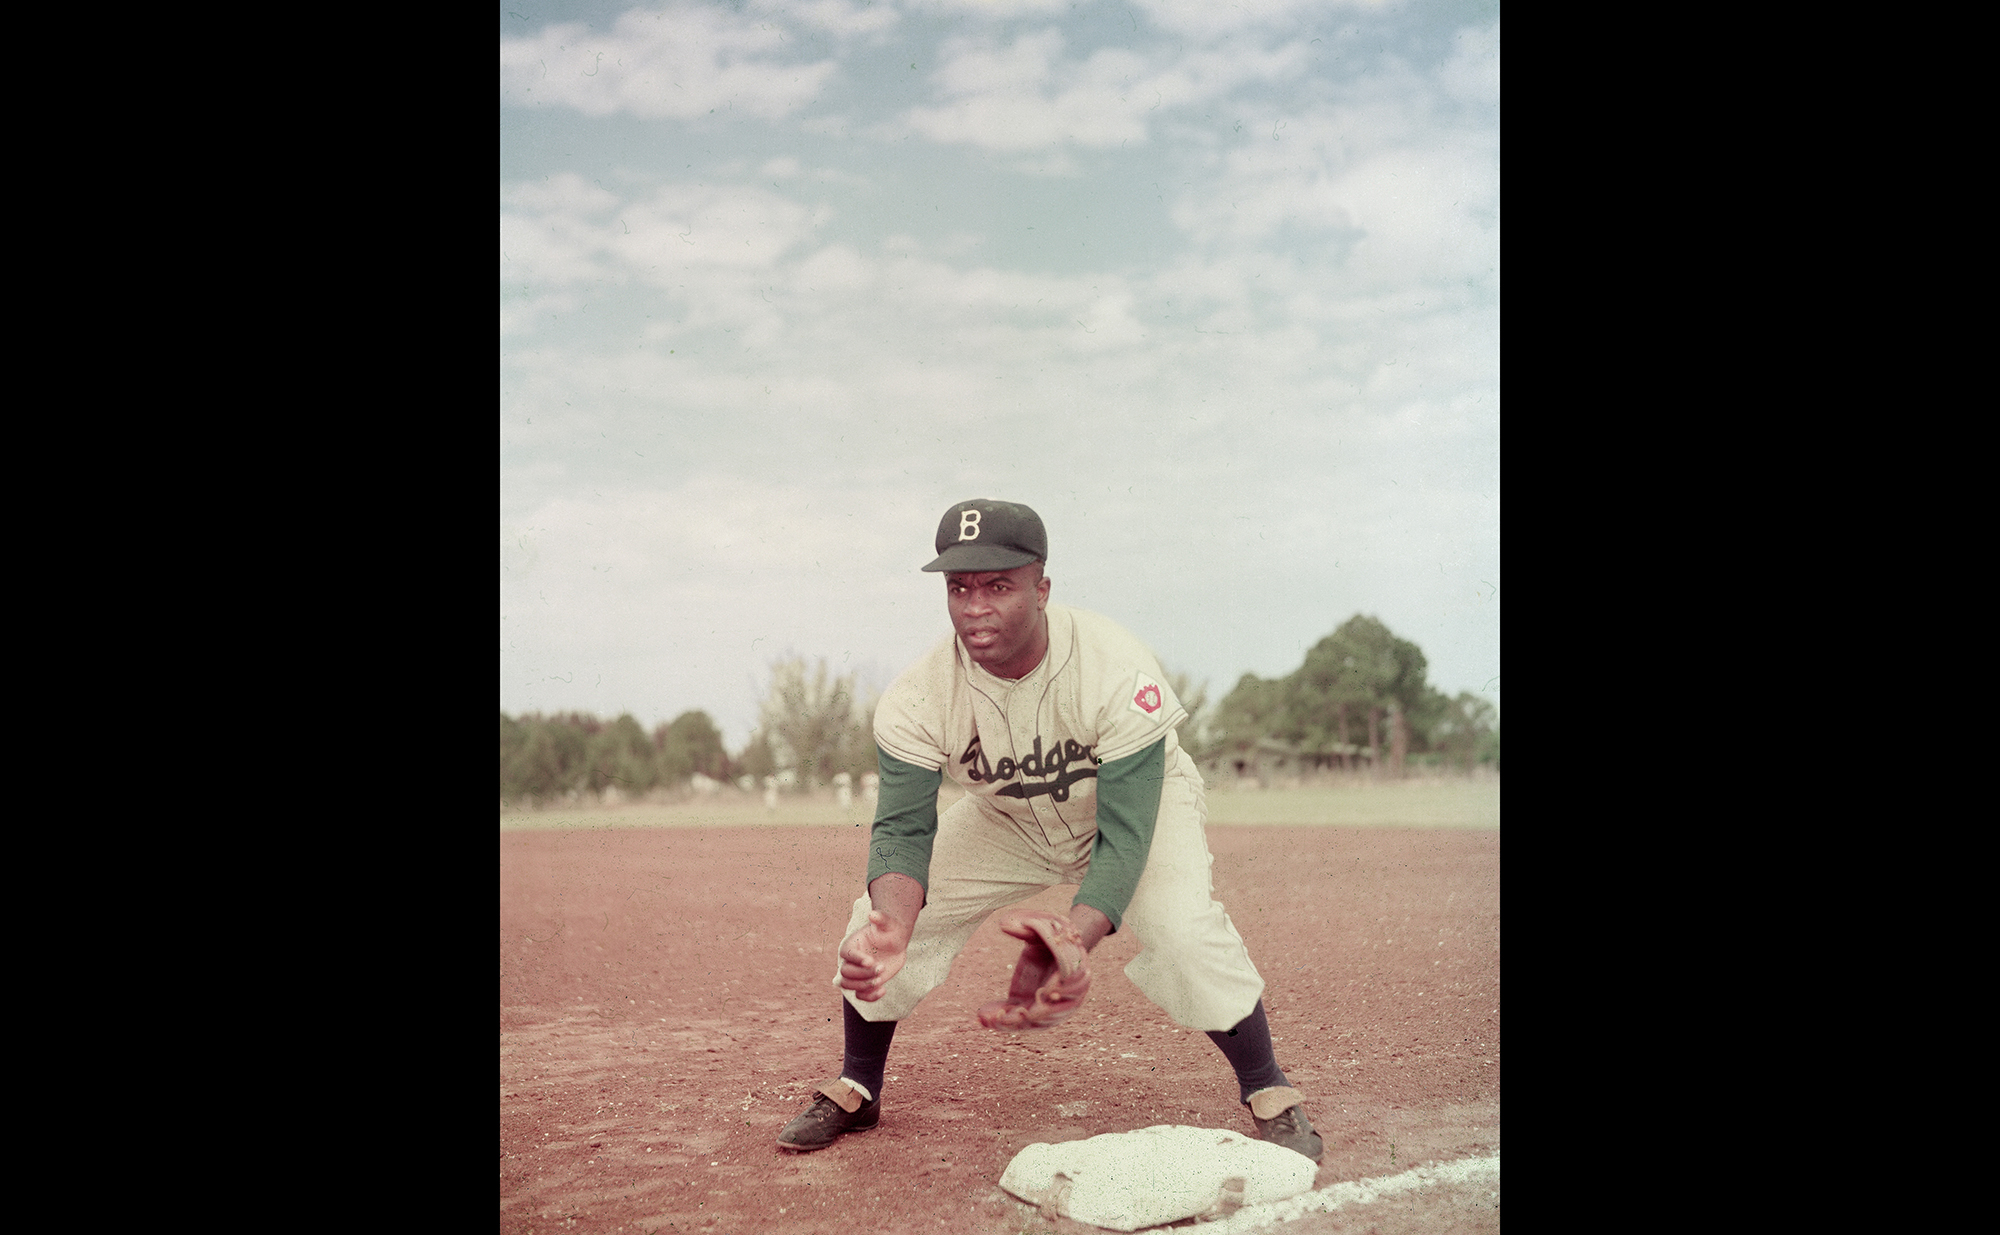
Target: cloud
pixel 1472 75
pixel 1417 202
pixel 1428 215
pixel 1207 19
pixel 747 259
pixel 1010 99
pixel 682 226
pixel 1025 96
pixel 658 599
pixel 839 17
pixel 998 10
pixel 566 192
pixel 552 235
pixel 543 254
pixel 572 228
pixel 1392 184
pixel 677 63
pixel 739 414
pixel 709 246
pixel 521 314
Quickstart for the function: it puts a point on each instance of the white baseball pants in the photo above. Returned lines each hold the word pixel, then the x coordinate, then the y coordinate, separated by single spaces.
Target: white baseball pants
pixel 1192 964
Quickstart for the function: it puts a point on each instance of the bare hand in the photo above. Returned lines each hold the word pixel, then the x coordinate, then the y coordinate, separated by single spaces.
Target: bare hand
pixel 873 955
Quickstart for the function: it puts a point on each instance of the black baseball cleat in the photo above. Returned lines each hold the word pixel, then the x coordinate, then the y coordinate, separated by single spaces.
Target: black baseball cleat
pixel 1281 1120
pixel 837 1111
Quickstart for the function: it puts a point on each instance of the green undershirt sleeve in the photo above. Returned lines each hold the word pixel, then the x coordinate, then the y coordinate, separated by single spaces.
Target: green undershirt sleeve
pixel 1128 805
pixel 905 820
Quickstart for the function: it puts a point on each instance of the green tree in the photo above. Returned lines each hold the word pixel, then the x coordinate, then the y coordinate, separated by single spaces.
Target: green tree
pixel 542 758
pixel 622 755
pixel 1428 714
pixel 513 737
pixel 757 759
pixel 1364 667
pixel 1251 712
pixel 1462 730
pixel 690 744
pixel 1321 699
pixel 857 752
pixel 813 722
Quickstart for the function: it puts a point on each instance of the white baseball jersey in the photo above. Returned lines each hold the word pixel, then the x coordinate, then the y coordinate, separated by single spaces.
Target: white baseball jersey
pixel 1030 748
pixel 1027 754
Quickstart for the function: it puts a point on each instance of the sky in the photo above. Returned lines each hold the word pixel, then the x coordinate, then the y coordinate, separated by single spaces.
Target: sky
pixel 1213 287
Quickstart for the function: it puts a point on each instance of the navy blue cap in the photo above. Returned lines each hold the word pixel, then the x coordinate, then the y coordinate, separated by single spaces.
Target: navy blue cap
pixel 982 534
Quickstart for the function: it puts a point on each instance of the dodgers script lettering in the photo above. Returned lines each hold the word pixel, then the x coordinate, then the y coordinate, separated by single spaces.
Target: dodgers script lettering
pixel 1065 764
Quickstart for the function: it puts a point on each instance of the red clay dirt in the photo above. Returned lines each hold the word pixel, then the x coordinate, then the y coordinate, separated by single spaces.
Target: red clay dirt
pixel 666 1006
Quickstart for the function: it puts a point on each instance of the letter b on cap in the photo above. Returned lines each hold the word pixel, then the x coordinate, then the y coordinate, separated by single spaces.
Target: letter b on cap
pixel 968 524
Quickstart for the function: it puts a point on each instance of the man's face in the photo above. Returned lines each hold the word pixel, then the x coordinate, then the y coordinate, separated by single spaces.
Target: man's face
pixel 998 616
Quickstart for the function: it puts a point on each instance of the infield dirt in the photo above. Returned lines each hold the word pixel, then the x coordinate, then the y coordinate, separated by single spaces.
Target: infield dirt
pixel 666 1005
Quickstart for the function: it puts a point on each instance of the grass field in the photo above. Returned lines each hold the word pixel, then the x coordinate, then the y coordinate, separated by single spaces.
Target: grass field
pixel 1409 804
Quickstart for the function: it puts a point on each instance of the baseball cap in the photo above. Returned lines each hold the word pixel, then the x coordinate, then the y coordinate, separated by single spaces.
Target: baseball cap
pixel 982 534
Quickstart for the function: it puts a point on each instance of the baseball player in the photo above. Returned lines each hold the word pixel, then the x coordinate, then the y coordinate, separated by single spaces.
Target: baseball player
pixel 1059 725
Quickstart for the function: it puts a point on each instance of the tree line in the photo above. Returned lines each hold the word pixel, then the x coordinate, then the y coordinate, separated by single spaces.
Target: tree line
pixel 550 758
pixel 1360 687
pixel 812 726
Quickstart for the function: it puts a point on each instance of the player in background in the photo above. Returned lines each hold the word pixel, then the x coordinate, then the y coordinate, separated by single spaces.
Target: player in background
pixel 1060 727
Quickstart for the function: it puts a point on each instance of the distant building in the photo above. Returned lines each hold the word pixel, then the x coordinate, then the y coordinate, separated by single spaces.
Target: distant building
pixel 1271 760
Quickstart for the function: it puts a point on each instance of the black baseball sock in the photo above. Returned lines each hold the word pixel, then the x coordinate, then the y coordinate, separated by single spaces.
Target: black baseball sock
pixel 1249 1051
pixel 868 1048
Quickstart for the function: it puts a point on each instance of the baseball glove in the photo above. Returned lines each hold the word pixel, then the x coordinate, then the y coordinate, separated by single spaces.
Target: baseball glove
pixel 1050 979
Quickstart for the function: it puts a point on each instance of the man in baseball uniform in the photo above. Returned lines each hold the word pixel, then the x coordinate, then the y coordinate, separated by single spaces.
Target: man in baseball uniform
pixel 1059 725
